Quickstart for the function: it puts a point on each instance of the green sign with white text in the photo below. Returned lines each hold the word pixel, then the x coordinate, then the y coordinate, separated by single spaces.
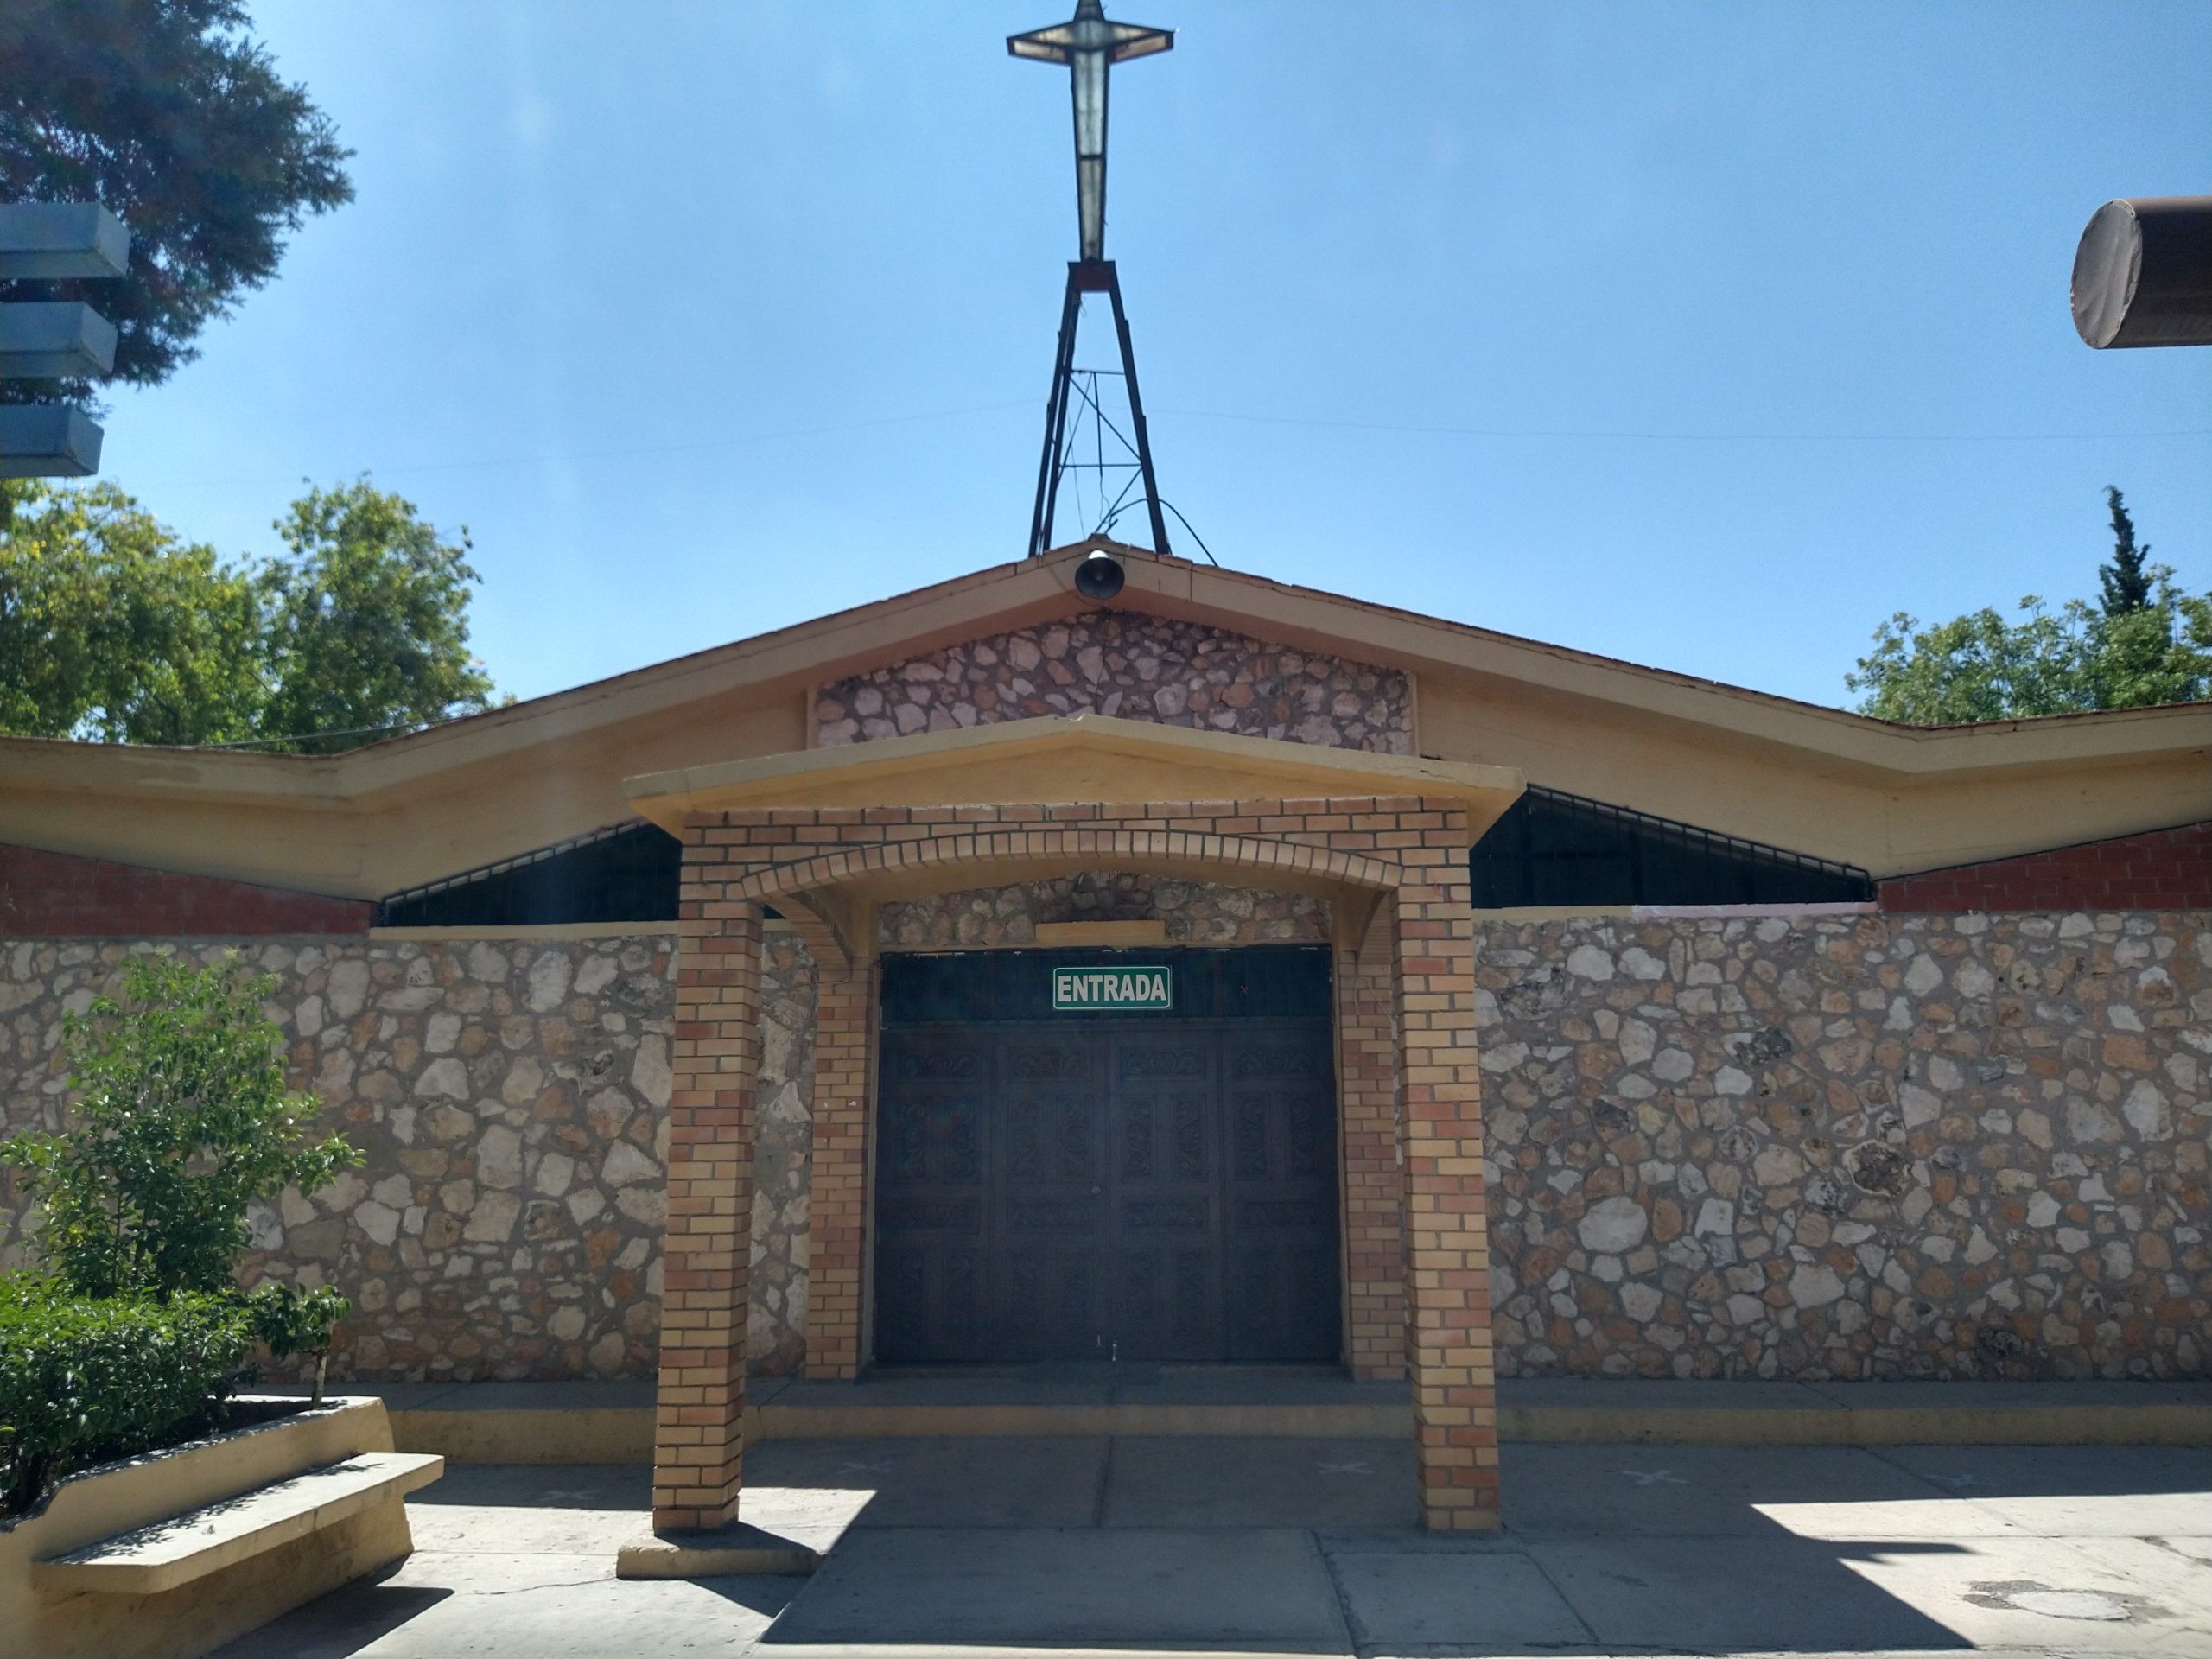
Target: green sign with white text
pixel 1111 990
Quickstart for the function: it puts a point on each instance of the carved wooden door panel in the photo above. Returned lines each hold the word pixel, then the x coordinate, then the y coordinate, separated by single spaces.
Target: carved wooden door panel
pixel 1048 1241
pixel 1281 1284
pixel 1162 1190
pixel 938 1085
pixel 1164 1136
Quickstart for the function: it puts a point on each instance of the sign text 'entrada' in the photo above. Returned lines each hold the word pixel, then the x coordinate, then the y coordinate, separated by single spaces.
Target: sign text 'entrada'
pixel 1114 990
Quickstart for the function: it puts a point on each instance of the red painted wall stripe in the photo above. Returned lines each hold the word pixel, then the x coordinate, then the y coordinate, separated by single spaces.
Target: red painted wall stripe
pixel 57 895
pixel 2164 869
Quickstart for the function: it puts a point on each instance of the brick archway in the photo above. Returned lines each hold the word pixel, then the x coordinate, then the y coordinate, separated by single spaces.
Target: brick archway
pixel 1399 865
pixel 968 856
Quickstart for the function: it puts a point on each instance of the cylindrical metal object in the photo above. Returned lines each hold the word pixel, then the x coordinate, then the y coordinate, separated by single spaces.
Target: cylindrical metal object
pixel 2143 274
pixel 1099 576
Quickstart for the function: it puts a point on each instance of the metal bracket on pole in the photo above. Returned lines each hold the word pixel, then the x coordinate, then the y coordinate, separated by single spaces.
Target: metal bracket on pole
pixel 45 241
pixel 59 339
pixel 54 339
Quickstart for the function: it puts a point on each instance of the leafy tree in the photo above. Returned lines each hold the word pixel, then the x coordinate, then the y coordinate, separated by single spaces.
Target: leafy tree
pixel 170 113
pixel 1974 667
pixel 367 622
pixel 2160 652
pixel 2147 643
pixel 288 1320
pixel 2127 580
pixel 182 1121
pixel 113 628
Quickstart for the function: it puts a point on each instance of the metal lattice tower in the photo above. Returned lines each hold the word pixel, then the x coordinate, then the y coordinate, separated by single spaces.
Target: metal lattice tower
pixel 1090 44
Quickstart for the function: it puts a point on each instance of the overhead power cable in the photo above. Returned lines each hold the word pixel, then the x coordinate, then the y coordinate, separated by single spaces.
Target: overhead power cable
pixel 1600 434
pixel 310 737
pixel 1569 434
pixel 648 450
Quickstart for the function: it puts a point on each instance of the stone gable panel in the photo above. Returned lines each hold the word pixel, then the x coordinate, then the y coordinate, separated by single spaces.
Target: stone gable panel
pixel 1135 667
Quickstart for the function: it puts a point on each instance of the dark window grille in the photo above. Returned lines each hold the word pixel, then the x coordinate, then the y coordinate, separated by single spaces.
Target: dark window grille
pixel 1548 849
pixel 628 872
pixel 1553 848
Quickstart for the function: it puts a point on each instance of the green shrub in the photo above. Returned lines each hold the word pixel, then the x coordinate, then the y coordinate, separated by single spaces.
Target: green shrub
pixel 291 1321
pixel 87 1379
pixel 182 1120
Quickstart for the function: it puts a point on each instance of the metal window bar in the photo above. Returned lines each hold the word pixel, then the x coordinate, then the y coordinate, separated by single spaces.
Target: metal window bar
pixel 623 872
pixel 1553 848
pixel 486 872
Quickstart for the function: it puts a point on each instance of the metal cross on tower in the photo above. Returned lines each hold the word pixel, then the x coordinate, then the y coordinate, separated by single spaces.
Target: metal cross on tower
pixel 1090 44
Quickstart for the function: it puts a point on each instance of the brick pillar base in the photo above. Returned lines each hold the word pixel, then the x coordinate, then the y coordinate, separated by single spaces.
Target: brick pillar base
pixel 698 1429
pixel 845 1070
pixel 1447 1248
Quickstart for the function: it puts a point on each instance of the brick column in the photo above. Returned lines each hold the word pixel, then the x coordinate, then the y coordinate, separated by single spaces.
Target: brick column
pixel 698 1431
pixel 1447 1250
pixel 844 1090
pixel 1367 1088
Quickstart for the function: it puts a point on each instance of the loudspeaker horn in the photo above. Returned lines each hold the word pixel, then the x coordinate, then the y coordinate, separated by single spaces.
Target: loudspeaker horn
pixel 1099 576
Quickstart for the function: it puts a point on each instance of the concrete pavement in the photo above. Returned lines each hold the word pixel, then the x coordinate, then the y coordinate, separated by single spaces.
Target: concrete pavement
pixel 1305 1546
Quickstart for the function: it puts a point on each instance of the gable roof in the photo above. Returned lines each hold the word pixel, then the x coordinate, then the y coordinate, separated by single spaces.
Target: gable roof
pixel 555 763
pixel 1027 592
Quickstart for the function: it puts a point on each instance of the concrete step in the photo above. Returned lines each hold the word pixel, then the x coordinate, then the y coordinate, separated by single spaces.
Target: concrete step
pixel 612 1422
pixel 1660 1412
pixel 191 1545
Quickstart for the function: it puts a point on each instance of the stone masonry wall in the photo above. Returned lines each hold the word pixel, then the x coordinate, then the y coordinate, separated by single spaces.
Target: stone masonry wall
pixel 1923 1146
pixel 512 1099
pixel 1833 1146
pixel 1133 666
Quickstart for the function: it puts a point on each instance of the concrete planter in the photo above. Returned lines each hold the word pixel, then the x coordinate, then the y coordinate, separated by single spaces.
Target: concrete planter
pixel 171 1554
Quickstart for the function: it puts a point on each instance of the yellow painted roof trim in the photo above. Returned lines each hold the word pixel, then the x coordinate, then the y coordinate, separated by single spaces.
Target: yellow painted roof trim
pixel 1031 591
pixel 1083 759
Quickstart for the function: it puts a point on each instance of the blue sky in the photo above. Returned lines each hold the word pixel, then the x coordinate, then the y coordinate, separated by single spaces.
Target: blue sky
pixel 1700 336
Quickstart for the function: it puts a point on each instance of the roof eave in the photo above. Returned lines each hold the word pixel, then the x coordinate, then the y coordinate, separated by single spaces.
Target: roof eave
pixel 998 764
pixel 1026 592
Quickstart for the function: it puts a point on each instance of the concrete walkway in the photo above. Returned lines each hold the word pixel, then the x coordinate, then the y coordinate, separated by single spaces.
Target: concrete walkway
pixel 1304 1546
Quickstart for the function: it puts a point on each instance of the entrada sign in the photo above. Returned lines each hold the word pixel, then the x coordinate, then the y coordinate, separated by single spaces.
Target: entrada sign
pixel 1111 990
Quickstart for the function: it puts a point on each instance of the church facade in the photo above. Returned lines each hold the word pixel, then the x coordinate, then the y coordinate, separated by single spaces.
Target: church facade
pixel 1228 973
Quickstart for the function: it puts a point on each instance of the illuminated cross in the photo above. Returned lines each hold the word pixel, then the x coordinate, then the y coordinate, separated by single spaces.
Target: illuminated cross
pixel 1089 43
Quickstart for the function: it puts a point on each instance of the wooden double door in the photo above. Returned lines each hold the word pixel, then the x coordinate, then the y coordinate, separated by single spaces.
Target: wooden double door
pixel 1156 1190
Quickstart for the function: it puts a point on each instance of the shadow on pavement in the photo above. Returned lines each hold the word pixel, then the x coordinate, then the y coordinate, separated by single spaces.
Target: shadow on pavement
pixel 343 1623
pixel 1309 1547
